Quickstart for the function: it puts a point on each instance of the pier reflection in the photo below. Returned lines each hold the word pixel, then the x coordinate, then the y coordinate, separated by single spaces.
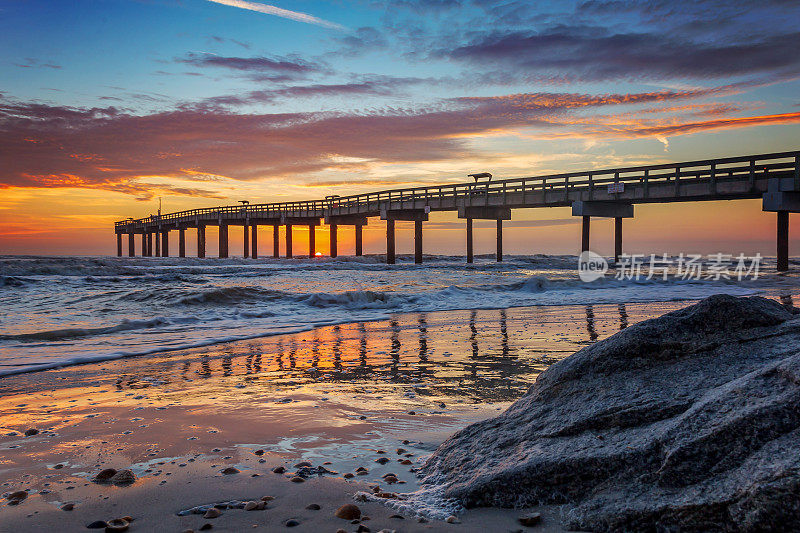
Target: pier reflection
pixel 479 355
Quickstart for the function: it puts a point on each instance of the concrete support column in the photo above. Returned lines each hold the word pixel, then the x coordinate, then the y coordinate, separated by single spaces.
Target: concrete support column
pixel 181 242
pixel 201 241
pixel 158 244
pixel 165 243
pixel 246 238
pixel 312 240
pixel 470 254
pixel 223 240
pixel 585 233
pixel 276 241
pixel 288 241
pixel 150 244
pixel 783 241
pixel 119 244
pixel 418 242
pixel 144 245
pixel 359 240
pixel 254 241
pixel 499 240
pixel 617 239
pixel 131 246
pixel 334 240
pixel 390 258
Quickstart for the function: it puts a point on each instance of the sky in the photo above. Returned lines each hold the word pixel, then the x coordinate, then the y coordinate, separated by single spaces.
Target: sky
pixel 107 106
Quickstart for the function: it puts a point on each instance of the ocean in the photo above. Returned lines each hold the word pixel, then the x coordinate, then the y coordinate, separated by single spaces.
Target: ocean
pixel 60 311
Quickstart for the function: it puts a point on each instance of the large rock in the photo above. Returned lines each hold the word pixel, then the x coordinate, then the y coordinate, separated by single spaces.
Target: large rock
pixel 686 422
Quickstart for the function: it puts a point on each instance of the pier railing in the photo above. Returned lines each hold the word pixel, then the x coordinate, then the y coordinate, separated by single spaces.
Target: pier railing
pixel 748 167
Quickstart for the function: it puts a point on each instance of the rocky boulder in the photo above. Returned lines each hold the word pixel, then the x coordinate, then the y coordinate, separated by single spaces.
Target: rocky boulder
pixel 686 422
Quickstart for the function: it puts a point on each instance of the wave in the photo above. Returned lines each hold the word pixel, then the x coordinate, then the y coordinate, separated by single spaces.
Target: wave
pixel 72 333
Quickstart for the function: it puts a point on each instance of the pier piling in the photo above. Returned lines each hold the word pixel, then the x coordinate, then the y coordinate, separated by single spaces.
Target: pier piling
pixel 165 243
pixel 288 241
pixel 131 246
pixel 783 241
pixel 246 239
pixel 359 240
pixel 499 255
pixel 334 241
pixel 418 242
pixel 276 241
pixel 312 240
pixel 390 258
pixel 181 242
pixel 470 255
pixel 223 240
pixel 201 240
pixel 119 244
pixel 254 241
pixel 617 239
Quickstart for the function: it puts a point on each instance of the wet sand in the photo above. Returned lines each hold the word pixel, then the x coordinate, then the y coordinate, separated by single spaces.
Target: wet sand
pixel 336 396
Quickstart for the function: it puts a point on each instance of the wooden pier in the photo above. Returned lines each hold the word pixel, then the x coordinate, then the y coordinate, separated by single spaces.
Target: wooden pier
pixel 608 193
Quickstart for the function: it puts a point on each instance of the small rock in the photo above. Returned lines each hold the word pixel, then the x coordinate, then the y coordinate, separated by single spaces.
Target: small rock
pixel 31 432
pixel 530 520
pixel 398 516
pixel 382 460
pixel 279 470
pixel 348 511
pixel 230 470
pixel 105 475
pixel 97 524
pixel 406 462
pixel 390 480
pixel 292 523
pixel 362 529
pixel 313 507
pixel 123 477
pixel 212 513
pixel 251 506
pixel 340 530
pixel 349 475
pixel 15 498
pixel 451 519
pixel 117 525
pixel 297 479
pixel 267 498
pixel 68 507
pixel 302 464
pixel 400 451
pixel 206 527
pixel 259 452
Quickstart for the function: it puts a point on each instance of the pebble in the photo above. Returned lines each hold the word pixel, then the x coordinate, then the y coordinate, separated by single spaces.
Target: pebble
pixel 340 530
pixel 97 524
pixel 117 525
pixel 292 523
pixel 68 507
pixel 297 479
pixel 123 477
pixel 348 511
pixel 31 432
pixel 259 452
pixel 279 470
pixel 406 462
pixel 530 520
pixel 302 464
pixel 401 451
pixel 390 480
pixel 363 529
pixel 349 475
pixel 206 527
pixel 212 513
pixel 382 460
pixel 398 516
pixel 15 498
pixel 313 507
pixel 230 470
pixel 251 506
pixel 267 498
pixel 451 519
pixel 105 475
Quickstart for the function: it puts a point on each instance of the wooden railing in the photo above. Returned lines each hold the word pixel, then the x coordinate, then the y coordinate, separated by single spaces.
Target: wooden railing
pixel 712 170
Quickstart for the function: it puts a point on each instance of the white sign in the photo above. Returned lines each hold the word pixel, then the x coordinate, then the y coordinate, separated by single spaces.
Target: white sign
pixel 616 188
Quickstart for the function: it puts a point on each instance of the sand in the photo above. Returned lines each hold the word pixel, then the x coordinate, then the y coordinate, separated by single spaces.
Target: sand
pixel 336 395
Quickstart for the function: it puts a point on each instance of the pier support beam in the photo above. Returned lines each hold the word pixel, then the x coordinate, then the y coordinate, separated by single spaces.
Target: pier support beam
pixel 254 241
pixel 606 209
pixel 149 244
pixel 585 229
pixel 201 241
pixel 119 244
pixel 312 240
pixel 158 244
pixel 288 241
pixel 418 242
pixel 246 239
pixel 223 240
pixel 390 258
pixel 131 246
pixel 144 244
pixel 359 240
pixel 165 243
pixel 783 241
pixel 334 239
pixel 499 255
pixel 276 241
pixel 470 254
pixel 779 200
pixel 181 242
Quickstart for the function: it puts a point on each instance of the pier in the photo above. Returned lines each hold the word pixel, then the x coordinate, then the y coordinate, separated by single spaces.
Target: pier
pixel 607 193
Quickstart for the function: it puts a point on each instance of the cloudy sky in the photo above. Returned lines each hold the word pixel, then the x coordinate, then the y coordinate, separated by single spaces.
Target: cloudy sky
pixel 108 105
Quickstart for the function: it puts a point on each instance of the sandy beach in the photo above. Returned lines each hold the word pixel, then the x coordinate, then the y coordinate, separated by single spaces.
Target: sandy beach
pixel 342 397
